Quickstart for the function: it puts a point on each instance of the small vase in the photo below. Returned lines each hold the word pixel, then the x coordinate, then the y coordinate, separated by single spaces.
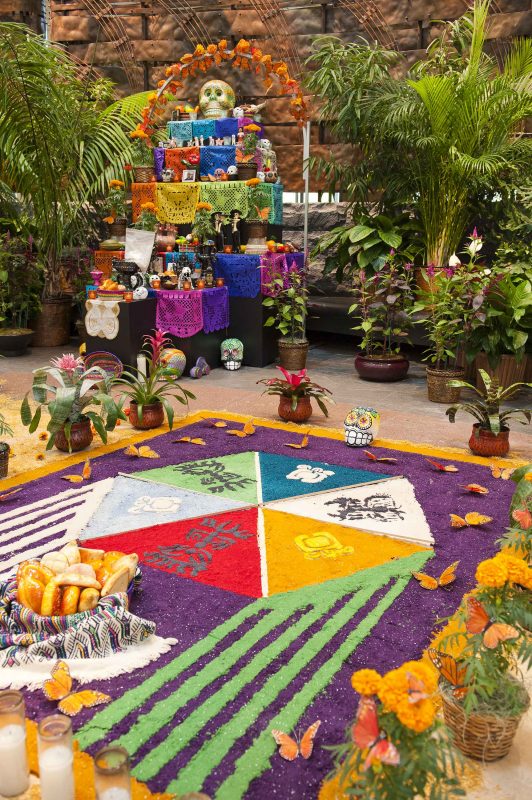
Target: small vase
pixel 152 415
pixel 485 443
pixel 437 389
pixel 80 437
pixel 301 413
pixel 382 369
pixel 293 355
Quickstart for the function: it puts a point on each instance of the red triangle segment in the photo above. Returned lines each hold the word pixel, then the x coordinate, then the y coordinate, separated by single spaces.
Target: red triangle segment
pixel 218 550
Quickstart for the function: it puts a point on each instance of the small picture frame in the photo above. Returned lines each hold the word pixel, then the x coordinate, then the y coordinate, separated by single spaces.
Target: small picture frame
pixel 189 176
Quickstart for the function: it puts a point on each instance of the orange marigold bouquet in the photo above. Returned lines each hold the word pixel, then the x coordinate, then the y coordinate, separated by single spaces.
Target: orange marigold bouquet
pixel 398 748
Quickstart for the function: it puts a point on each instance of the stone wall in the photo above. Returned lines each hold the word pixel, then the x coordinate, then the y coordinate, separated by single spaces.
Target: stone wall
pixel 27 11
pixel 133 42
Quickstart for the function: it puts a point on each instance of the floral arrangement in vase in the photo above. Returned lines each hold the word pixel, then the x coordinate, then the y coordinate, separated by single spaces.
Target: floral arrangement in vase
pixel 250 142
pixel 259 200
pixel 115 202
pixel 203 226
pixel 147 219
pixel 295 392
pixel 398 748
pixel 141 150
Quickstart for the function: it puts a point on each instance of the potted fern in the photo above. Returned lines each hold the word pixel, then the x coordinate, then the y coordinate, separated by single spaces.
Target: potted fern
pixel 490 435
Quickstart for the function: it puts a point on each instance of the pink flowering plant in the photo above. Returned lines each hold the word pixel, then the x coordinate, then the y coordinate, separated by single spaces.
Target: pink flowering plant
pixel 296 385
pixel 454 303
pixel 65 390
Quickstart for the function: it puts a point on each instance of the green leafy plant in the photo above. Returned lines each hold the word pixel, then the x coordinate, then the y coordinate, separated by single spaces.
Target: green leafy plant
pixel 411 755
pixel 203 226
pixel 384 304
pixel 288 302
pixel 435 140
pixel 487 410
pixel 158 385
pixel 5 429
pixel 115 202
pixel 20 281
pixel 141 152
pixel 258 199
pixel 518 537
pixel 297 385
pixel 67 400
pixel 147 219
pixel 250 141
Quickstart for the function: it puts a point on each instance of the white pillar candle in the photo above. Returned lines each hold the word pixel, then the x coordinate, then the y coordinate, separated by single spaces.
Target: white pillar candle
pixel 56 773
pixel 14 773
pixel 141 364
pixel 114 793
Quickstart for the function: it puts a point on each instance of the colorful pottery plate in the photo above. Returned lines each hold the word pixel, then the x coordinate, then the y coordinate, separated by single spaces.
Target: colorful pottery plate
pixel 106 361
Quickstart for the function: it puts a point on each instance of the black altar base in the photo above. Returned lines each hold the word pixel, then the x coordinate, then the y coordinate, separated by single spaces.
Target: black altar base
pixel 138 319
pixel 247 316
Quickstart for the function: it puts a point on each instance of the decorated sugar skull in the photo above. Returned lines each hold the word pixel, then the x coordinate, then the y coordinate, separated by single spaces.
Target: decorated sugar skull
pixel 261 175
pixel 167 175
pixel 232 170
pixel 172 358
pixel 238 112
pixel 361 426
pixel 232 352
pixel 216 100
pixel 219 174
pixel 140 293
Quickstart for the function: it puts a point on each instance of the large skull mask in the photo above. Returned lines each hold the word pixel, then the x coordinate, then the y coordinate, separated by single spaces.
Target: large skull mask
pixel 361 426
pixel 216 100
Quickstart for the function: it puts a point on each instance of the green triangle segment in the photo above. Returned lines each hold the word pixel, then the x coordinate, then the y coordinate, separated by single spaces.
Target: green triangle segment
pixel 233 477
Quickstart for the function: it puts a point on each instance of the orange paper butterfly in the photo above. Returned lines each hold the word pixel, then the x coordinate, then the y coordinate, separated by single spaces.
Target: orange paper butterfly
pixel 5 495
pixel 141 452
pixel 452 670
pixel 289 748
pixel 302 444
pixel 367 736
pixel 216 423
pixel 447 577
pixel 521 515
pixel 479 621
pixel 248 430
pixel 85 474
pixel 384 459
pixel 473 519
pixel 59 687
pixel 475 488
pixel 501 472
pixel 416 689
pixel 189 440
pixel 442 467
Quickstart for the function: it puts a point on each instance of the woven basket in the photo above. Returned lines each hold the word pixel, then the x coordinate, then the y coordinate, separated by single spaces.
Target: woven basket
pixel 437 389
pixel 143 174
pixel 483 737
pixel 293 355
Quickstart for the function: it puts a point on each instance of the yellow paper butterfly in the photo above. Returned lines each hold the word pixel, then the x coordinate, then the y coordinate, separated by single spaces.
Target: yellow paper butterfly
pixel 471 519
pixel 189 440
pixel 85 474
pixel 59 687
pixel 248 430
pixel 447 577
pixel 141 452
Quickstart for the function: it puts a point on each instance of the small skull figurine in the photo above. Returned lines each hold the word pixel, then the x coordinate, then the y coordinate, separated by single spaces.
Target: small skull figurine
pixel 219 174
pixel 238 112
pixel 232 170
pixel 232 352
pixel 184 275
pixel 167 175
pixel 261 175
pixel 361 426
pixel 216 100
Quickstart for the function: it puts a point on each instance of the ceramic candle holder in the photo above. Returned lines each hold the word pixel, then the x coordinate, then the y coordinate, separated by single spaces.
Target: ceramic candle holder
pixel 14 772
pixel 200 284
pixel 156 284
pixel 93 294
pixel 128 297
pixel 228 249
pixel 220 282
pixel 187 286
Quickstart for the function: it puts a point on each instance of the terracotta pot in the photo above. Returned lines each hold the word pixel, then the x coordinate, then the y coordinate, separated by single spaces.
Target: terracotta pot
pixel 293 355
pixel 437 389
pixel 117 229
pixel 508 370
pixel 485 443
pixel 15 341
pixel 80 437
pixel 301 413
pixel 247 171
pixel 143 174
pixel 484 737
pixel 152 415
pixel 51 325
pixel 4 459
pixel 375 368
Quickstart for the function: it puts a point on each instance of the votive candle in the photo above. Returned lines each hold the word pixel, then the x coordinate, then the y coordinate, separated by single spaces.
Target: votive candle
pixel 56 759
pixel 111 774
pixel 14 772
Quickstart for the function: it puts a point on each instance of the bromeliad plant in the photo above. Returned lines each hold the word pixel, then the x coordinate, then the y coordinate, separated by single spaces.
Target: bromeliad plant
pixel 295 386
pixel 398 748
pixel 68 398
pixel 158 385
pixel 384 303
pixel 487 409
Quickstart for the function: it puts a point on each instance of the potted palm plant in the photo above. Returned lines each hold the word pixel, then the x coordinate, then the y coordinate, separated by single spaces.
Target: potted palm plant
pixel 149 394
pixel 490 436
pixel 5 430
pixel 20 293
pixel 295 393
pixel 287 301
pixel 67 401
pixel 384 305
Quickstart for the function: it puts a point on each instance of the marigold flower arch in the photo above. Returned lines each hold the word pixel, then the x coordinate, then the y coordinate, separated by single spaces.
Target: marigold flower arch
pixel 243 56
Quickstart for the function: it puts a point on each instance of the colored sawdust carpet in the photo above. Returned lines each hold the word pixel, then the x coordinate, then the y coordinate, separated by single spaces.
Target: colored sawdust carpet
pixel 279 575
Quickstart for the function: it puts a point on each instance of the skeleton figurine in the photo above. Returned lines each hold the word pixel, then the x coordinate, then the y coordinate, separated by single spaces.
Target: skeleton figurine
pixel 167 175
pixel 361 426
pixel 235 230
pixel 219 222
pixel 216 100
pixel 184 275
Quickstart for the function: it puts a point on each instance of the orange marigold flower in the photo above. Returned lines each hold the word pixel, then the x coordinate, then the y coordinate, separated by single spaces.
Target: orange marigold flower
pixel 366 681
pixel 393 689
pixel 243 46
pixel 109 219
pixel 149 206
pixel 252 128
pixel 211 49
pixel 199 51
pixel 203 207
pixel 416 716
pixel 43 436
pixel 253 182
pixel 116 184
pixel 515 567
pixel 492 573
pixel 222 44
pixel 186 59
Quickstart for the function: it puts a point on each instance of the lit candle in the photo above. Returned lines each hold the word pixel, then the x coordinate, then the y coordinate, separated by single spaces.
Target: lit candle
pixel 56 759
pixel 14 773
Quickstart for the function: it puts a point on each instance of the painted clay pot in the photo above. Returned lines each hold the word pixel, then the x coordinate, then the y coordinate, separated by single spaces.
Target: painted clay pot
pixel 80 437
pixel 437 389
pixel 383 370
pixel 301 413
pixel 486 443
pixel 152 416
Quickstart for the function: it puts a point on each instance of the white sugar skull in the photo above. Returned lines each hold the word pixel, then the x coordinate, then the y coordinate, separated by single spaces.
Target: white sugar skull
pixel 140 293
pixel 361 426
pixel 232 170
pixel 216 100
pixel 261 175
pixel 238 112
pixel 167 175
pixel 219 174
pixel 232 353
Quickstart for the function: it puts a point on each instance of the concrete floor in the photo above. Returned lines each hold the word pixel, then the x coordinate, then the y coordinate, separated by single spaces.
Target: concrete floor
pixel 406 414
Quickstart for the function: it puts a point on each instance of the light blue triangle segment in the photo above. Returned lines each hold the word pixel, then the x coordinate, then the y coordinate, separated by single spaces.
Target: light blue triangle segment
pixel 133 504
pixel 283 476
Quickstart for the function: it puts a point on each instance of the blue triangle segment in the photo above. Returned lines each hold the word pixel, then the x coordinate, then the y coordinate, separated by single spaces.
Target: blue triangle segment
pixel 282 476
